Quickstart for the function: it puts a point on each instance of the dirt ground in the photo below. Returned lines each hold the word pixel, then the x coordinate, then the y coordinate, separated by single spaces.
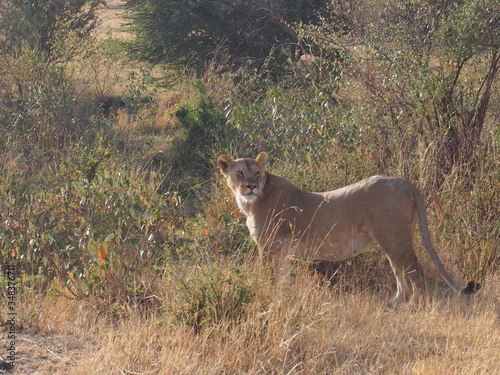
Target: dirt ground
pixel 44 353
pixel 112 22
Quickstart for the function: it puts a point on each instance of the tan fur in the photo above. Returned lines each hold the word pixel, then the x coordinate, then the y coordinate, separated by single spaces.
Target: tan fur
pixel 285 221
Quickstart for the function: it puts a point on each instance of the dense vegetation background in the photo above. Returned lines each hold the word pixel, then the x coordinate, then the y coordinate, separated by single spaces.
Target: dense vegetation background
pixel 108 186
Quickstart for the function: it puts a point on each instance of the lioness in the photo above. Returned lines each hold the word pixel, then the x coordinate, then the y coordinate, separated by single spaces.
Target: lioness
pixel 286 221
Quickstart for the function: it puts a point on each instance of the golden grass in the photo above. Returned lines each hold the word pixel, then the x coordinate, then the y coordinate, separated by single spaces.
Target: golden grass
pixel 306 327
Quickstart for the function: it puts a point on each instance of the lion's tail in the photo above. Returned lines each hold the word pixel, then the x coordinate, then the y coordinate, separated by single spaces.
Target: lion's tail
pixel 471 286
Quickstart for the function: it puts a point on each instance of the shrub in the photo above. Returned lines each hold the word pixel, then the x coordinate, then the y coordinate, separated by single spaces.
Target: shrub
pixel 92 237
pixel 42 110
pixel 205 128
pixel 209 296
pixel 53 27
pixel 194 33
pixel 426 72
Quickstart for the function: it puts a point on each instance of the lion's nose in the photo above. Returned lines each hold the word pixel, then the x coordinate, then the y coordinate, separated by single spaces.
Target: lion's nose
pixel 251 186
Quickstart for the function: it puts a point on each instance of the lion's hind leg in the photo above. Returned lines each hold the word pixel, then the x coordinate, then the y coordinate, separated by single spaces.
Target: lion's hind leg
pixel 402 291
pixel 413 276
pixel 406 270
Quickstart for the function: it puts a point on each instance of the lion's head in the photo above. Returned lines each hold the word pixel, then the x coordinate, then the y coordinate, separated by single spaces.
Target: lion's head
pixel 245 177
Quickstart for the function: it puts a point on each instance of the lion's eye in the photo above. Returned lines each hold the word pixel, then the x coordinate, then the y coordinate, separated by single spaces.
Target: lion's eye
pixel 239 173
pixel 257 173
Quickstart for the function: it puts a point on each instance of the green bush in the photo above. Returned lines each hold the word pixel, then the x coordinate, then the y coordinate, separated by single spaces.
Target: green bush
pixel 42 110
pixel 205 128
pixel 424 71
pixel 56 28
pixel 211 296
pixel 92 237
pixel 237 33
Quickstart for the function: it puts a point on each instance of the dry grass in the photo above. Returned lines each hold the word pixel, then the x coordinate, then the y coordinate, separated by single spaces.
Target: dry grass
pixel 112 22
pixel 306 327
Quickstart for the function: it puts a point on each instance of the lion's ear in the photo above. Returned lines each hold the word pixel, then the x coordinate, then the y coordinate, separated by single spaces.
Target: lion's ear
pixel 261 159
pixel 224 162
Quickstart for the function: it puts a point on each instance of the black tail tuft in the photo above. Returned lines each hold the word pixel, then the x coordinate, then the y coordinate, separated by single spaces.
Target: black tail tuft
pixel 471 288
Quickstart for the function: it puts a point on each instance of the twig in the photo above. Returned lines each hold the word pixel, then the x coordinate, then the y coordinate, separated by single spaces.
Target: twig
pixel 54 354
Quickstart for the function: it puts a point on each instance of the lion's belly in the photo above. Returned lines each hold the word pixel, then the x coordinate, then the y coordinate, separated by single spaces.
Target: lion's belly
pixel 336 245
pixel 331 243
pixel 337 250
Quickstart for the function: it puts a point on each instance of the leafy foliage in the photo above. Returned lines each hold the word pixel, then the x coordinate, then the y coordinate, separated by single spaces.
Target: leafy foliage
pixel 194 32
pixel 416 65
pixel 204 128
pixel 47 25
pixel 92 236
pixel 215 297
pixel 39 103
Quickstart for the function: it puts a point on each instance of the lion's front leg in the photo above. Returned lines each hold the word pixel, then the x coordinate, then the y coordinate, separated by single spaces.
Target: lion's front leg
pixel 278 258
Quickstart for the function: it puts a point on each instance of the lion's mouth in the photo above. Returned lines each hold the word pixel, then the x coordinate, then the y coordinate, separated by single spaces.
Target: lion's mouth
pixel 250 196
